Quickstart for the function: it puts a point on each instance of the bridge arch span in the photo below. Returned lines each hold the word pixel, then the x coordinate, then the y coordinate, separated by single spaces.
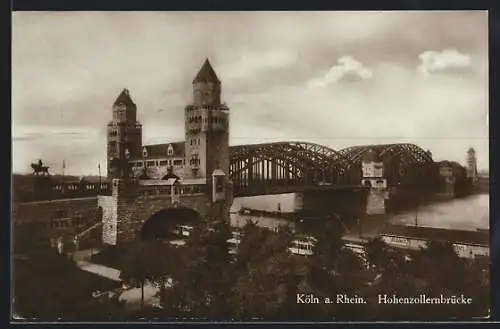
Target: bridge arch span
pixel 404 164
pixel 124 219
pixel 283 163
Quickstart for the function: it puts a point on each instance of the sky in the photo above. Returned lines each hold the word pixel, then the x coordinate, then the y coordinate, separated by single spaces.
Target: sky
pixel 337 79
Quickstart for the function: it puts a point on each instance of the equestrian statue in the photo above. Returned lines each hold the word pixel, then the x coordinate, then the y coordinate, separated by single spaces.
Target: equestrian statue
pixel 39 169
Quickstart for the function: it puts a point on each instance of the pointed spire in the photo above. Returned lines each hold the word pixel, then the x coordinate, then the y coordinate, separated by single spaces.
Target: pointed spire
pixel 206 74
pixel 124 98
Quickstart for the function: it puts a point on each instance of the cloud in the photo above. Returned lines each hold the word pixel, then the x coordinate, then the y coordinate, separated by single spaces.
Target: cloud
pixel 27 133
pixel 254 63
pixel 445 114
pixel 435 61
pixel 66 76
pixel 346 68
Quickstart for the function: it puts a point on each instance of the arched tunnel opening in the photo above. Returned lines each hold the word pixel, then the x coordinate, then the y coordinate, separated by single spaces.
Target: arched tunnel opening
pixel 163 224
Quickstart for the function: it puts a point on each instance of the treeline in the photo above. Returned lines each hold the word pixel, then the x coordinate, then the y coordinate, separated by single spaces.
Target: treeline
pixel 204 281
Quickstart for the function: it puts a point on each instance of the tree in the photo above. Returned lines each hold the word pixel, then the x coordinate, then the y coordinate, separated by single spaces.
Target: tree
pixel 147 260
pixel 326 253
pixel 202 283
pixel 49 286
pixel 29 238
pixel 268 275
pixel 442 258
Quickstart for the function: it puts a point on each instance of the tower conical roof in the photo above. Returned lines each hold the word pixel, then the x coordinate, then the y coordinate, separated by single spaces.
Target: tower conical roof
pixel 206 74
pixel 124 98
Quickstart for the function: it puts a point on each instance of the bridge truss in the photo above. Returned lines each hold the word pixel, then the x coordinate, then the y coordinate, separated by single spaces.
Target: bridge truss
pixel 295 163
pixel 404 164
pixel 302 163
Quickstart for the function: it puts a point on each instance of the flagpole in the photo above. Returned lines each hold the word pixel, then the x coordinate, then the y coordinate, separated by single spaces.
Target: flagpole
pixel 63 166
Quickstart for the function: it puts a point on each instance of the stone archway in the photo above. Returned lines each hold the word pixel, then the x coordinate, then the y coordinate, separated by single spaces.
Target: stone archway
pixel 162 223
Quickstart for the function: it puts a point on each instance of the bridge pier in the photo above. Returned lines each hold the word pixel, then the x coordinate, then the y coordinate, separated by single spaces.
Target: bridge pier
pixel 375 204
pixel 348 203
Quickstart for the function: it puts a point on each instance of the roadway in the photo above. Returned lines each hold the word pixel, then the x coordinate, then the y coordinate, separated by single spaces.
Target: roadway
pixel 131 296
pixel 255 190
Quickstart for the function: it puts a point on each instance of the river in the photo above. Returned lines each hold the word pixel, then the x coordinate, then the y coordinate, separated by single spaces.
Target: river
pixel 469 213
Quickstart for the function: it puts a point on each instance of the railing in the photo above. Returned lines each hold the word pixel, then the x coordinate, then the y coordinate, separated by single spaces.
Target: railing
pixel 64 191
pixel 151 190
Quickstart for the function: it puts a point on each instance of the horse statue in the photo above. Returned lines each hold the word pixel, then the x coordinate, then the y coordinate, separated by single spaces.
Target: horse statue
pixel 39 168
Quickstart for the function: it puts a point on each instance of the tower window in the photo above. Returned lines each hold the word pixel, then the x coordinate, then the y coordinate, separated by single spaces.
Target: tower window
pixel 112 148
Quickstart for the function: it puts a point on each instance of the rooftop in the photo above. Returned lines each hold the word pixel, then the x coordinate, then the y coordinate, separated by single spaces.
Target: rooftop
pixel 206 74
pixel 157 151
pixel 124 99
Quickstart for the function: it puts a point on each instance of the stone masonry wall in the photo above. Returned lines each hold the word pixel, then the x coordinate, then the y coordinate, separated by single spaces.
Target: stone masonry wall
pixel 44 211
pixel 109 219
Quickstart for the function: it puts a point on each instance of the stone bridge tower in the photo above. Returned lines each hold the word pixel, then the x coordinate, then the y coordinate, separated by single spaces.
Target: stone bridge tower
pixel 204 186
pixel 206 128
pixel 472 174
pixel 373 177
pixel 124 136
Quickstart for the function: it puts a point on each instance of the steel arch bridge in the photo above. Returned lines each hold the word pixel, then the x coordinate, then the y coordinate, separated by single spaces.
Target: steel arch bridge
pixel 294 163
pixel 404 164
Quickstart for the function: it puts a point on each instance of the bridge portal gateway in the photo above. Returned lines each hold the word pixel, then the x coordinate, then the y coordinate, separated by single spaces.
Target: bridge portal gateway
pixel 134 202
pixel 195 173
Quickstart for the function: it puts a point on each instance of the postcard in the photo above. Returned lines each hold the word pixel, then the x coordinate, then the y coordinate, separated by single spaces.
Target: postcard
pixel 250 166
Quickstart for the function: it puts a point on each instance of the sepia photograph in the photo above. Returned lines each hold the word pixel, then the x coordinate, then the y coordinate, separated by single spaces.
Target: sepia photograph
pixel 315 166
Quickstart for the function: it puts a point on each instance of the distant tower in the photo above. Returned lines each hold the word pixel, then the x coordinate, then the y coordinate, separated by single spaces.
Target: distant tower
pixel 373 171
pixel 124 135
pixel 373 177
pixel 206 127
pixel 472 165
